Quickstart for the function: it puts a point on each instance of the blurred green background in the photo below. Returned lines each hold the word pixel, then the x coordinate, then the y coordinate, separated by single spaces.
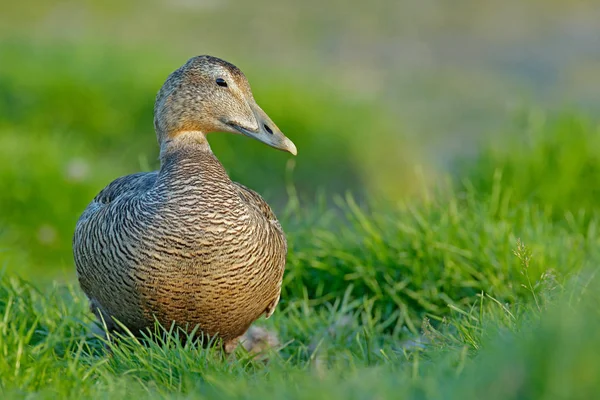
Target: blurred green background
pixel 382 98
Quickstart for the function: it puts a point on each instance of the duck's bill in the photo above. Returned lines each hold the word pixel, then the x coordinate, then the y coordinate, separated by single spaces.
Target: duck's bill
pixel 267 132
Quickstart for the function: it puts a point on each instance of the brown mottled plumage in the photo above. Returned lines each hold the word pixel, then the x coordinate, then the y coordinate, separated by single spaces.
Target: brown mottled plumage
pixel 185 244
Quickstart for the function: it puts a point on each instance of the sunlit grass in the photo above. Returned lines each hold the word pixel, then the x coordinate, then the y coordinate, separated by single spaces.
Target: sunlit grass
pixel 336 350
pixel 551 160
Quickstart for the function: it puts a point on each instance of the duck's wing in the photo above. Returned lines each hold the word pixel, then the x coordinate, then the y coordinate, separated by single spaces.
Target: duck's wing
pixel 98 229
pixel 253 198
pixel 125 186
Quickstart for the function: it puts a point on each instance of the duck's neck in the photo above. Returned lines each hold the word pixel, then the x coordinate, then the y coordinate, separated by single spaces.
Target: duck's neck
pixel 184 142
pixel 188 158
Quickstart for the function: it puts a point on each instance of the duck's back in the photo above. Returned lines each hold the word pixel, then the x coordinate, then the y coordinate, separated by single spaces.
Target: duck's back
pixel 185 244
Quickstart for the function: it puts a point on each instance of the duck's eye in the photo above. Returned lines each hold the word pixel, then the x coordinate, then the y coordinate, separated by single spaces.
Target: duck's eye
pixel 221 82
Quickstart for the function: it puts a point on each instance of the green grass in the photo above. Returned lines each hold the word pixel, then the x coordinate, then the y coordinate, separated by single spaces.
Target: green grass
pixel 466 296
pixel 552 160
pixel 417 258
pixel 543 345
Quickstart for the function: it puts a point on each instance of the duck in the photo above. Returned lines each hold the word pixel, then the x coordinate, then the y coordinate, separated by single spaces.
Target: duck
pixel 185 246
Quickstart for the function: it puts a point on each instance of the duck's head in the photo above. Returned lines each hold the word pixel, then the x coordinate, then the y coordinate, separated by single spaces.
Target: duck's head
pixel 207 95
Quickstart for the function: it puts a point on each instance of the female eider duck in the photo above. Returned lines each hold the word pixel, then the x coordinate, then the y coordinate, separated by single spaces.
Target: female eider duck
pixel 185 245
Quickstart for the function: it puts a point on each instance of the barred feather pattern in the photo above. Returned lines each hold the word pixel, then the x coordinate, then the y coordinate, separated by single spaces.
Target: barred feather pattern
pixel 183 244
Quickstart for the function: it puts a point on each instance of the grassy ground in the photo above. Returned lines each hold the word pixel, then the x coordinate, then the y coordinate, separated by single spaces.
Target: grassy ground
pixel 467 310
pixel 474 290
